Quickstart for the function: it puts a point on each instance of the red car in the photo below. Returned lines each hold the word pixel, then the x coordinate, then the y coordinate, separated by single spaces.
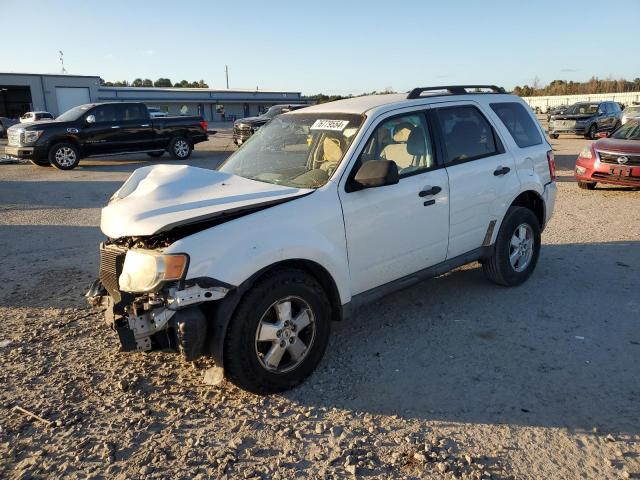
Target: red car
pixel 613 159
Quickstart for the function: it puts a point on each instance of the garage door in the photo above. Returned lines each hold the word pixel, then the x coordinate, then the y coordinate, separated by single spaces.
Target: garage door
pixel 69 97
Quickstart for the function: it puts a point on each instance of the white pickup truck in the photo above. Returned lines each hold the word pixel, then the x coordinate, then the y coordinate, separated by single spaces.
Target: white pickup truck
pixel 322 210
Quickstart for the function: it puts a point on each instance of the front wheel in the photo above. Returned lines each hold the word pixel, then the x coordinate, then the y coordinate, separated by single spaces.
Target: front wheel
pixel 180 148
pixel 554 136
pixel 515 253
pixel 587 185
pixel 278 334
pixel 64 156
pixel 592 132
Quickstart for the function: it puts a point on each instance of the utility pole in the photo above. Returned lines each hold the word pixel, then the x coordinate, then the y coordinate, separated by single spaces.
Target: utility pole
pixel 62 61
pixel 226 71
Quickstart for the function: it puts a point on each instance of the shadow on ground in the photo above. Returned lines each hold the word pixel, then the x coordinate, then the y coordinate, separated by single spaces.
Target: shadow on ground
pixel 559 351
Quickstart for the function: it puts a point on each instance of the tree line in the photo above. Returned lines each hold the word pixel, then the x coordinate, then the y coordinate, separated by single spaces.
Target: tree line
pixel 161 82
pixel 593 85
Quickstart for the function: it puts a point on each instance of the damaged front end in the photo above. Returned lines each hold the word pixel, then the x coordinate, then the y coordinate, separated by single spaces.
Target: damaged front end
pixel 159 314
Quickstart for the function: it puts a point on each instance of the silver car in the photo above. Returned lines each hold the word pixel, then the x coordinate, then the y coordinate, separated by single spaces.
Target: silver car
pixel 632 112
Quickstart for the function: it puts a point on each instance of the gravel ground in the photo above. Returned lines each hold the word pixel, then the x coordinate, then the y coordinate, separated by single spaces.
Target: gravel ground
pixel 452 378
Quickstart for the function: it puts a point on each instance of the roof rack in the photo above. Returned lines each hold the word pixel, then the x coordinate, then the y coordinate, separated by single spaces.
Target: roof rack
pixel 454 90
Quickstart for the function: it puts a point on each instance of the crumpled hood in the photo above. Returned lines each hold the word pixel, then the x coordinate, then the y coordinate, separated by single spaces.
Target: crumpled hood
pixel 160 197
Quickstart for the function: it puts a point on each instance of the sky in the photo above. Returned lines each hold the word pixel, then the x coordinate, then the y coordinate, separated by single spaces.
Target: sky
pixel 332 47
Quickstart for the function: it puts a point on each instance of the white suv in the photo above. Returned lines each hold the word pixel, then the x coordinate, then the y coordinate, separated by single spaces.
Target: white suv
pixel 322 210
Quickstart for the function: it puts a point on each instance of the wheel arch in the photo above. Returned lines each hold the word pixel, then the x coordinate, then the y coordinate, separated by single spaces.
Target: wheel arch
pixel 65 139
pixel 533 201
pixel 220 313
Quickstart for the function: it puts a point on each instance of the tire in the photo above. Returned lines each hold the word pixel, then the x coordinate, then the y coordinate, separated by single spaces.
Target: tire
pixel 591 133
pixel 40 163
pixel 587 185
pixel 554 136
pixel 155 154
pixel 246 356
pixel 180 148
pixel 499 268
pixel 64 156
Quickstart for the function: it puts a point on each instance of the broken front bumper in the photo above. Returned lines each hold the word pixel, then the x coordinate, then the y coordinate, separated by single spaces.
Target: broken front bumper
pixel 173 318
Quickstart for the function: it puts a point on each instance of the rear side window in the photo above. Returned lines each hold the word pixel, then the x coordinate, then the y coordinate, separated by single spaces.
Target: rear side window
pixel 131 112
pixel 466 133
pixel 519 123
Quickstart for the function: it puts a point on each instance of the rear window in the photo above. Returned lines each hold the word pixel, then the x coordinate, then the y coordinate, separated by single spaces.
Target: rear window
pixel 519 123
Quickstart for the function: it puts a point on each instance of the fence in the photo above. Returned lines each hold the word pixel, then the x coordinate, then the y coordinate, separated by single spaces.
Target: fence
pixel 545 103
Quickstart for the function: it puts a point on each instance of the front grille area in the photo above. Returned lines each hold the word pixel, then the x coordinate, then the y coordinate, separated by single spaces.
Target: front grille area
pixel 13 138
pixel 111 263
pixel 632 159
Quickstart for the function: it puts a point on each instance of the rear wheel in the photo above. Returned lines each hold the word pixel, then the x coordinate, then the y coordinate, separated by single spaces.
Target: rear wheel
pixel 554 136
pixel 155 154
pixel 64 156
pixel 515 253
pixel 587 185
pixel 592 132
pixel 180 148
pixel 278 334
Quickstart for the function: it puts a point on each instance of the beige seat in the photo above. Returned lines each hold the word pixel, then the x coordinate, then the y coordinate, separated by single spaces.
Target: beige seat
pixel 332 154
pixel 398 151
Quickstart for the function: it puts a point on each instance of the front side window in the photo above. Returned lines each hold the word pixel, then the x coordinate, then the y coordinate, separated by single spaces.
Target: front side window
pixel 104 113
pixel 404 140
pixel 297 150
pixel 519 123
pixel 466 133
pixel 130 113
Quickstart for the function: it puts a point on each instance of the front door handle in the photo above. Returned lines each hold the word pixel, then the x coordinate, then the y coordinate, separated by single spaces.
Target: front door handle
pixel 144 125
pixel 501 171
pixel 115 126
pixel 429 191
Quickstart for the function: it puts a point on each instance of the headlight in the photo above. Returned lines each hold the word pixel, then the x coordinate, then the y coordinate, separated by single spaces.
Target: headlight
pixel 586 153
pixel 31 136
pixel 580 170
pixel 144 270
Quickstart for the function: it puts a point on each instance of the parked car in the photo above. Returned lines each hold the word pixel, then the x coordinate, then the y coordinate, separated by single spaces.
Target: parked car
pixel 99 129
pixel 324 210
pixel 586 118
pixel 559 110
pixel 5 123
pixel 36 117
pixel 156 112
pixel 614 159
pixel 632 112
pixel 245 127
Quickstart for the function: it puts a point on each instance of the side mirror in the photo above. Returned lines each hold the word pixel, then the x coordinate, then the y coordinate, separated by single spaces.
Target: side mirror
pixel 602 134
pixel 377 173
pixel 90 119
pixel 600 112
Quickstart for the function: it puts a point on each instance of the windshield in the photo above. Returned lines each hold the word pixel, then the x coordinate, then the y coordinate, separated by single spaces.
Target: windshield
pixel 74 114
pixel 628 131
pixel 582 109
pixel 299 150
pixel 273 111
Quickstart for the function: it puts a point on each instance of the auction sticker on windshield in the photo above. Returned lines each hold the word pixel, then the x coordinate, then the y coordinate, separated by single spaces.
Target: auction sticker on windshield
pixel 334 125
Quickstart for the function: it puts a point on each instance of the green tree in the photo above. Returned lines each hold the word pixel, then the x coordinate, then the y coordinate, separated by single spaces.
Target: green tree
pixel 162 82
pixel 137 82
pixel 147 82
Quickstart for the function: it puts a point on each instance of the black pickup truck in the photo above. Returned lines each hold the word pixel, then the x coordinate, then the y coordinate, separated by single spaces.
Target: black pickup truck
pixel 100 129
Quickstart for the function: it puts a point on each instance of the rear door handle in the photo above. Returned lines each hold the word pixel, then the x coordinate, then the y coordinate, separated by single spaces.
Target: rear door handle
pixel 144 125
pixel 115 126
pixel 429 191
pixel 501 171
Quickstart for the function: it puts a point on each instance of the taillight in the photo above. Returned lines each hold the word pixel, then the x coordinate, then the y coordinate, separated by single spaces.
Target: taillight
pixel 205 125
pixel 552 165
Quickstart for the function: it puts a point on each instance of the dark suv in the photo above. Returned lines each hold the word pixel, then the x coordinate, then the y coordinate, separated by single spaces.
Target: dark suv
pixel 586 118
pixel 245 127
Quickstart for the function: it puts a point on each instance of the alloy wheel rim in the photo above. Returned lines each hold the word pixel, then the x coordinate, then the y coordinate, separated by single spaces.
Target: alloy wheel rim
pixel 521 247
pixel 181 148
pixel 285 334
pixel 65 157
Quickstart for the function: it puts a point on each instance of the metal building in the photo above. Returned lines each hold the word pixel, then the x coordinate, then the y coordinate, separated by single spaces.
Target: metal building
pixel 22 92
